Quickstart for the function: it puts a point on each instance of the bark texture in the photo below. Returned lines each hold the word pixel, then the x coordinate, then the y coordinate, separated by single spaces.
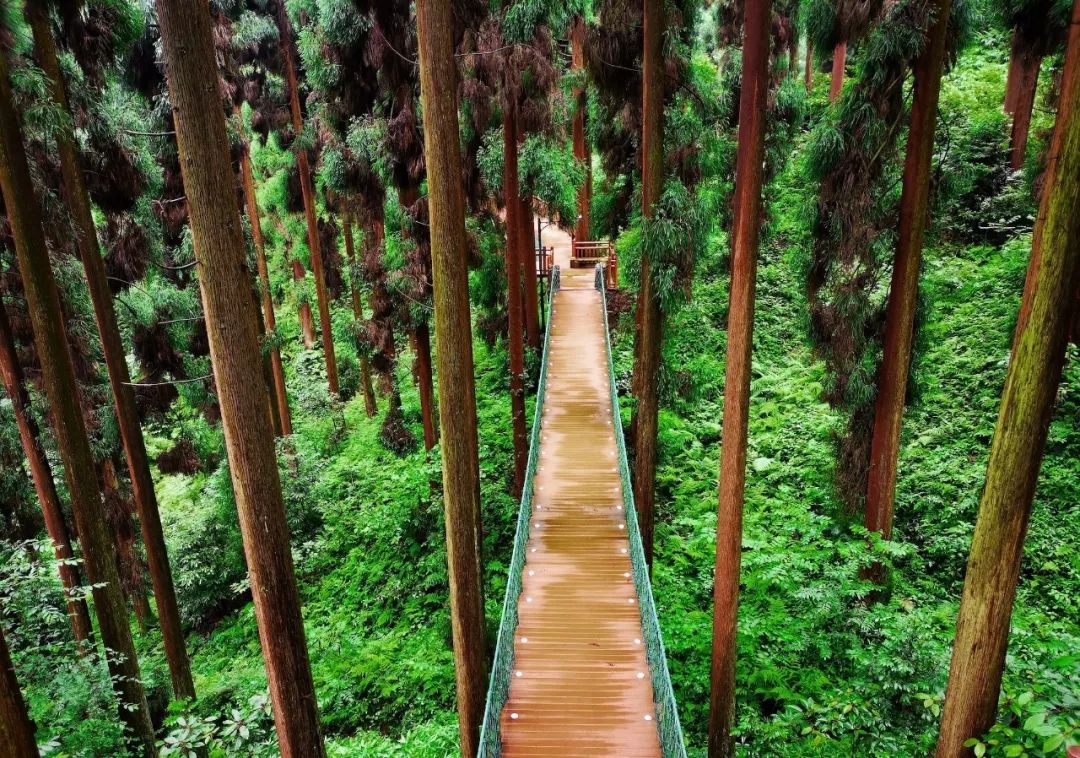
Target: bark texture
pixel 839 64
pixel 43 304
pixel 1027 402
pixel 453 342
pixel 41 475
pixel 650 319
pixel 808 71
pixel 277 370
pixel 749 173
pixel 234 352
pixel 370 406
pixel 581 149
pixel 904 291
pixel 127 415
pixel 16 728
pixel 307 322
pixel 1024 63
pixel 515 342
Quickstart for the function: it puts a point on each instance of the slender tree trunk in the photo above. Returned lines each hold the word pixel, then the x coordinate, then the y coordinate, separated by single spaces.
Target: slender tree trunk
pixel 43 303
pixel 904 292
pixel 808 72
pixel 17 731
pixel 358 313
pixel 288 52
pixel 127 415
pixel 749 175
pixel 421 344
pixel 277 371
pixel 307 322
pixel 1012 77
pixel 234 352
pixel 513 296
pixel 1024 81
pixel 650 319
pixel 44 486
pixel 581 148
pixel 839 64
pixel 526 256
pixel 453 342
pixel 1027 402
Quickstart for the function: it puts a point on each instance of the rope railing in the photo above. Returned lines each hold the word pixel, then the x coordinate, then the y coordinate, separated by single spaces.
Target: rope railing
pixel 667 715
pixel 499 685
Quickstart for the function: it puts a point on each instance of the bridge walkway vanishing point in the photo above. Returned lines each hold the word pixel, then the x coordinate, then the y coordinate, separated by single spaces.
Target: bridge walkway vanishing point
pixel 577 672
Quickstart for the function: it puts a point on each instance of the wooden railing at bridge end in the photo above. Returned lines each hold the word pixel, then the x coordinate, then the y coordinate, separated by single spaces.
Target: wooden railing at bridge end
pixel 590 253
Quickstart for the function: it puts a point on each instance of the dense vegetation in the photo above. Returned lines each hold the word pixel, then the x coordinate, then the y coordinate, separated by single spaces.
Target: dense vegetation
pixel 831 661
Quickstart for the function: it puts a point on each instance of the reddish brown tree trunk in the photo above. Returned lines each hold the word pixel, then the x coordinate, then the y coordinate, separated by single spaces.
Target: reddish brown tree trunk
pixel 58 373
pixel 904 292
pixel 421 344
pixel 581 149
pixel 808 72
pixel 526 256
pixel 44 485
pixel 650 319
pixel 127 416
pixel 17 733
pixel 514 227
pixel 453 340
pixel 1027 405
pixel 307 323
pixel 366 387
pixel 749 174
pixel 839 64
pixel 234 352
pixel 1024 82
pixel 277 371
pixel 307 191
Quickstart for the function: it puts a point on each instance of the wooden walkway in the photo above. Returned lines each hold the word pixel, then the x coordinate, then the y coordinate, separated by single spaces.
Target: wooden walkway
pixel 580 684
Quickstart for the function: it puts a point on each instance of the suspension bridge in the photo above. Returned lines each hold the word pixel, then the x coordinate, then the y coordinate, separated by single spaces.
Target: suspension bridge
pixel 579 667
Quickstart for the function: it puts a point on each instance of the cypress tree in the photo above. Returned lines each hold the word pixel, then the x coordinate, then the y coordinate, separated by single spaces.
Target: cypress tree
pixel 78 201
pixel 1027 404
pixel 749 177
pixel 16 728
pixel 453 340
pixel 358 313
pixel 43 303
pixel 232 330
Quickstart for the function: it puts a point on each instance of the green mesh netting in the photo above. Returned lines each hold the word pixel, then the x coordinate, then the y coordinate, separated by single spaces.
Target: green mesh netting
pixel 667 721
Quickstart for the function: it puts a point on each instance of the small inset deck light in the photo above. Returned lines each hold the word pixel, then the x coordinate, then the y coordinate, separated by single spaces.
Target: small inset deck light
pixel 640 675
pixel 517 674
pixel 647 717
pixel 618 507
pixel 536 524
pixel 514 716
pixel 625 574
pixel 524 640
pixel 533 550
pixel 622 526
pixel 529 600
pixel 637 641
pixel 623 551
pixel 629 600
pixel 532 573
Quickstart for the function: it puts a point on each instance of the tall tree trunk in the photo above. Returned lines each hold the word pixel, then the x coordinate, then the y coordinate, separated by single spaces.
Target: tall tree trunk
pixel 527 262
pixel 234 353
pixel 1013 75
pixel 307 322
pixel 904 291
pixel 127 415
pixel 277 371
pixel 808 72
pixel 839 64
pixel 421 344
pixel 1023 81
pixel 513 294
pixel 749 176
pixel 307 191
pixel 17 732
pixel 420 340
pixel 43 303
pixel 1027 402
pixel 650 319
pixel 370 406
pixel 44 486
pixel 581 148
pixel 453 342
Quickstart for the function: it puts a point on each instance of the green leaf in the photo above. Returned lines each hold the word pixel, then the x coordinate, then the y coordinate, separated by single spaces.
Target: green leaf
pixel 1053 743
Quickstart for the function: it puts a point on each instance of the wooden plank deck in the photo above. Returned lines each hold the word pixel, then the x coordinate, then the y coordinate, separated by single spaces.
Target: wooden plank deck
pixel 580 684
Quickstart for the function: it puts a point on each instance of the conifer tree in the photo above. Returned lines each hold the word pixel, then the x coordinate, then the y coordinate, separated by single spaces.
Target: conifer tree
pixel 745 232
pixel 78 201
pixel 1027 404
pixel 245 405
pixel 16 728
pixel 43 303
pixel 453 339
